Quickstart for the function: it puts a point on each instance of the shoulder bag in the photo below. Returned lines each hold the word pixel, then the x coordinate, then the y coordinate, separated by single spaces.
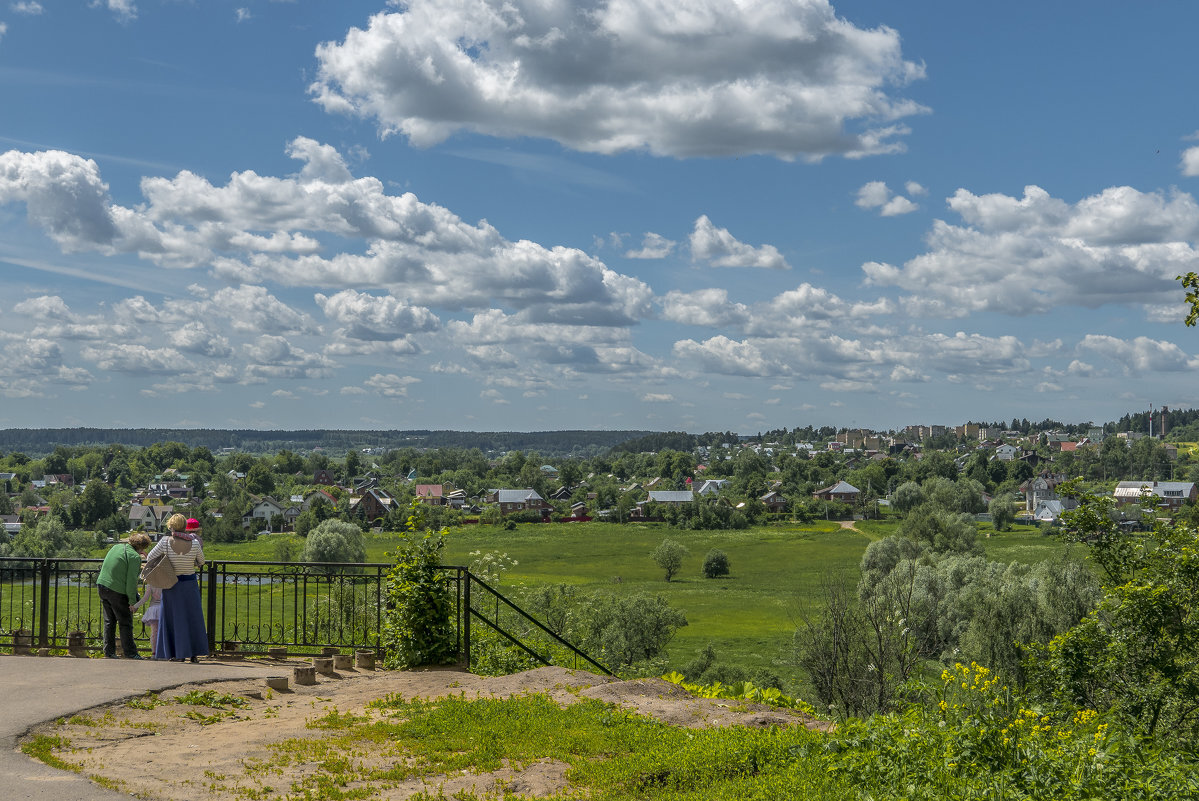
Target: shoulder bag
pixel 158 571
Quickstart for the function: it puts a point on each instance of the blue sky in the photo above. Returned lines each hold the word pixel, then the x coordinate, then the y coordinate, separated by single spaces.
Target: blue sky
pixel 524 215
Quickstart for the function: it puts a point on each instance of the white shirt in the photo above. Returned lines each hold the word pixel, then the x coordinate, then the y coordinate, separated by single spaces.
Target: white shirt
pixel 185 563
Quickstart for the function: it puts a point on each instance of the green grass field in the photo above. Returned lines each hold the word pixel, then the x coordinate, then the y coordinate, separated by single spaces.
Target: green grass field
pixel 777 573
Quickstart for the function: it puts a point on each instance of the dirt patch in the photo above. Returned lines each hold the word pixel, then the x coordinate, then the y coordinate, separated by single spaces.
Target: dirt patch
pixel 162 747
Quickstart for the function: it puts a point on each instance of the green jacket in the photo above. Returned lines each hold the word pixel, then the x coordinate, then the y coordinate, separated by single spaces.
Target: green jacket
pixel 122 565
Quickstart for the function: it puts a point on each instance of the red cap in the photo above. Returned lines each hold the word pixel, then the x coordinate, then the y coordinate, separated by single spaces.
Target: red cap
pixel 193 524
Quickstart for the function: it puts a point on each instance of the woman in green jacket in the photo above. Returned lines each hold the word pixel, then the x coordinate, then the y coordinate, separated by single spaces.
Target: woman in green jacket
pixel 117 586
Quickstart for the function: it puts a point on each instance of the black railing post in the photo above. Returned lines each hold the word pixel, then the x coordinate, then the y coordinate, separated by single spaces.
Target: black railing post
pixel 464 579
pixel 212 621
pixel 43 623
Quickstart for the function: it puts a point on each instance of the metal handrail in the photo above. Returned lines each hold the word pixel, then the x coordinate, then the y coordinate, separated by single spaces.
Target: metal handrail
pixel 471 577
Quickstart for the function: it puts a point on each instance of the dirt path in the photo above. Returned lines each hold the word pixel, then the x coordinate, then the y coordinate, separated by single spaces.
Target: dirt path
pixel 160 748
pixel 849 525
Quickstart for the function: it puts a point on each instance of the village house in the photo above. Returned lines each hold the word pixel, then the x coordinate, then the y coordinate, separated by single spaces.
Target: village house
pixel 841 491
pixel 517 500
pixel 1170 494
pixel 149 517
pixel 671 497
pixel 372 504
pixel 317 495
pixel 1006 453
pixel 712 486
pixel 1044 488
pixel 261 514
pixel 774 501
pixel 431 494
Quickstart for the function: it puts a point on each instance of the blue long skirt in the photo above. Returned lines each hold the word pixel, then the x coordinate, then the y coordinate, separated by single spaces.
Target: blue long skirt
pixel 181 633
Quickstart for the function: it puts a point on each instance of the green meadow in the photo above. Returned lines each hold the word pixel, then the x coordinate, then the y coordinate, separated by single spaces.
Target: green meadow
pixel 778 573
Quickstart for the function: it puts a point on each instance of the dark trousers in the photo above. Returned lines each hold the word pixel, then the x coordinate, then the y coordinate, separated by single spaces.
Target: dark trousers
pixel 116 613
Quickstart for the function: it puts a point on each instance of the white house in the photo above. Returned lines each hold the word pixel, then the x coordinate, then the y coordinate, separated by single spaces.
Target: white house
pixel 712 486
pixel 260 514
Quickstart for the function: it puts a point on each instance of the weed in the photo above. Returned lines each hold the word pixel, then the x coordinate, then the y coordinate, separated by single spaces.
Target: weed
pixel 43 748
pixel 150 701
pixel 208 720
pixel 116 785
pixel 213 699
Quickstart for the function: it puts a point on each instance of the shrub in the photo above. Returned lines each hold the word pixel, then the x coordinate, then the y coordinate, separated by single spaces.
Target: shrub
pixel 1137 653
pixel 627 634
pixel 335 541
pixel 716 564
pixel 418 628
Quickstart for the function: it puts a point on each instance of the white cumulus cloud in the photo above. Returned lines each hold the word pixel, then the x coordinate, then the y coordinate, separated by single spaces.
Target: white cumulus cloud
pixel 877 195
pixel 1190 162
pixel 1139 355
pixel 123 10
pixel 1033 253
pixel 370 317
pixel 653 246
pixel 390 385
pixel 787 78
pixel 718 247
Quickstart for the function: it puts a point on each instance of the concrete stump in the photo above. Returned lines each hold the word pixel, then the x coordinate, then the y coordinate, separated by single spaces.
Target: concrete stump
pixel 43 652
pixel 304 675
pixel 277 652
pixel 76 645
pixel 365 660
pixel 329 650
pixel 22 641
pixel 342 662
pixel 277 683
pixel 323 665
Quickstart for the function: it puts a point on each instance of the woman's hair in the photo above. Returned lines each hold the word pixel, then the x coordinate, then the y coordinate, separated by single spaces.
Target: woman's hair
pixel 139 541
pixel 176 522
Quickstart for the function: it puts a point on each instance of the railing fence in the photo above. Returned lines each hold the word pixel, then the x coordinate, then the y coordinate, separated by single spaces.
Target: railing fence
pixel 251 607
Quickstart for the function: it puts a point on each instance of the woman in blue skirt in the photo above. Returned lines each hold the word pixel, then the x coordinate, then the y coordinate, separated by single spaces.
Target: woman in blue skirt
pixel 181 633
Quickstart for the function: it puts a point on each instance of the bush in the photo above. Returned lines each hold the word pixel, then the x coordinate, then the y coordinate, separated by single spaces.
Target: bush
pixel 716 564
pixel 418 628
pixel 626 634
pixel 705 669
pixel 285 548
pixel 1137 653
pixel 335 541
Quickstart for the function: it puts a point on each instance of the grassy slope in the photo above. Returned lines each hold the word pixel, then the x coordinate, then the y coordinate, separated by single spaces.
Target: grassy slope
pixel 748 615
pixel 777 573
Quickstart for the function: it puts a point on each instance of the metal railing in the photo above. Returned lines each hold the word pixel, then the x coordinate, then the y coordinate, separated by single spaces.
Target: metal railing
pixel 253 606
pixel 502 608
